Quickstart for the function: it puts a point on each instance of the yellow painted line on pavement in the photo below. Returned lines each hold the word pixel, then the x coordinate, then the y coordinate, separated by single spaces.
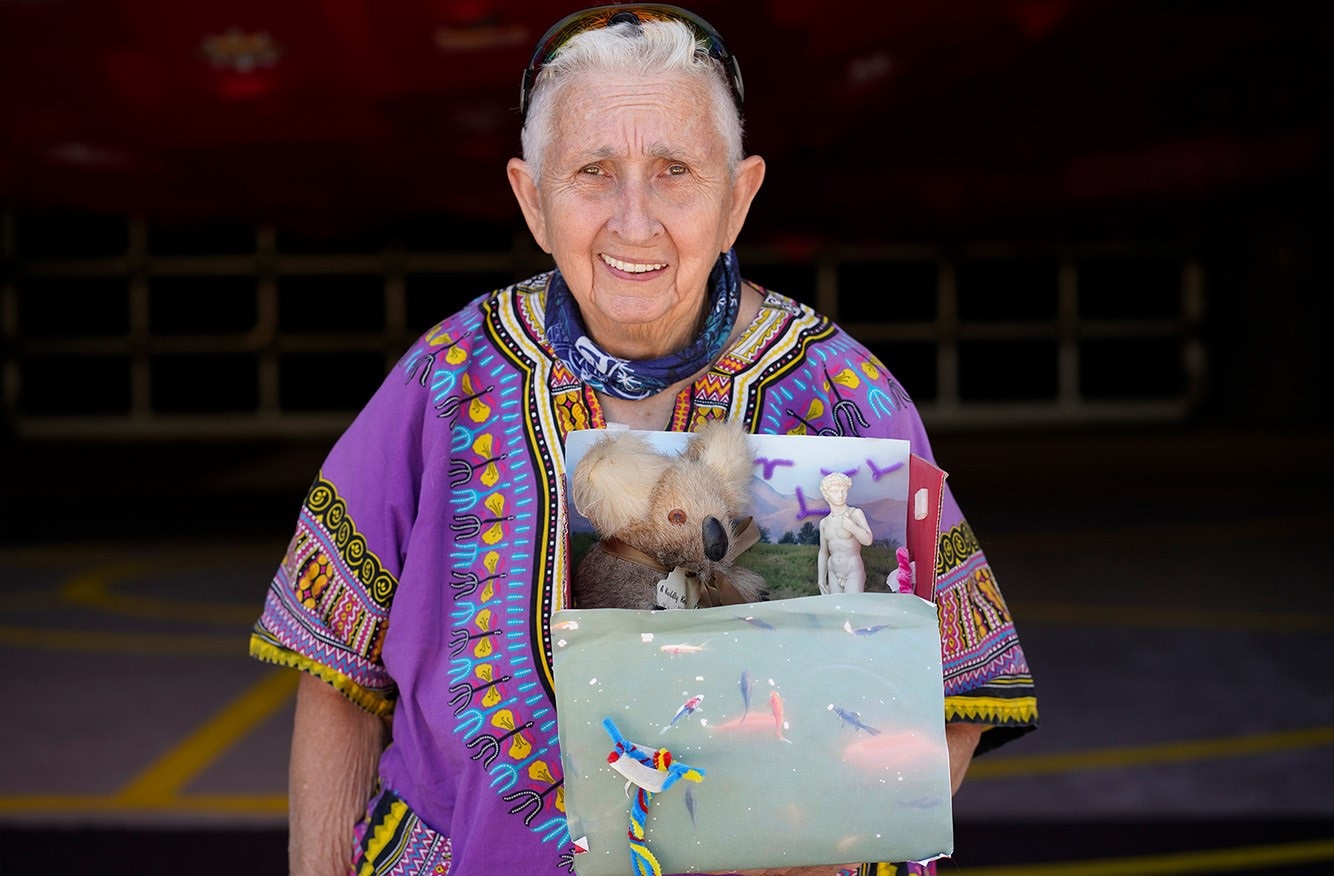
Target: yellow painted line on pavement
pixel 93 589
pixel 74 804
pixel 162 781
pixel 1144 755
pixel 154 644
pixel 1208 861
pixel 157 789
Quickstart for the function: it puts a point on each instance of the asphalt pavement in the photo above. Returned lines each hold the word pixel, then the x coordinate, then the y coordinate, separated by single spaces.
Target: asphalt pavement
pixel 1171 586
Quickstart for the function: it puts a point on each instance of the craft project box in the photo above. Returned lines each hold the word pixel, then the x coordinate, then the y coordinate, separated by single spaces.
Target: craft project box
pixel 800 731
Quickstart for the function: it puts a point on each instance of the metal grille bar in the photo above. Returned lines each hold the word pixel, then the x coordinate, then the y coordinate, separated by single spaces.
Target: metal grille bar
pixel 946 341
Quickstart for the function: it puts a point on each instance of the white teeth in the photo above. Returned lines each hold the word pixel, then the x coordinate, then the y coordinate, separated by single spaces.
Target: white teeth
pixel 630 267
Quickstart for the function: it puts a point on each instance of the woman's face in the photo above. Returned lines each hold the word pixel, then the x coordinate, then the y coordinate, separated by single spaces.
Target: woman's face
pixel 635 205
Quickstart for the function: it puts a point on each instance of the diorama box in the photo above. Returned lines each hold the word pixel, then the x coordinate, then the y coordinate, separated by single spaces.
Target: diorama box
pixel 806 729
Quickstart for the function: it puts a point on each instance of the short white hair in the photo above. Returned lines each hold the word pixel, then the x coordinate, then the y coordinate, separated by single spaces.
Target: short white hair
pixel 649 49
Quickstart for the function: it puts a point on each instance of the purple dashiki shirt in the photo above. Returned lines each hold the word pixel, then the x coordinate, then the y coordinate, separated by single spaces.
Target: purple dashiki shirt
pixel 433 547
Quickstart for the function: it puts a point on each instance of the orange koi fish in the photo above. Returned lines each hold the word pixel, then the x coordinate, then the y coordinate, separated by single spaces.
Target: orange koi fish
pixel 776 706
pixel 753 722
pixel 875 755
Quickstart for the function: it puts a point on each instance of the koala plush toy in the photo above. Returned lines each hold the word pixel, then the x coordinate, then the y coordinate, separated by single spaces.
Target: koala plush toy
pixel 656 513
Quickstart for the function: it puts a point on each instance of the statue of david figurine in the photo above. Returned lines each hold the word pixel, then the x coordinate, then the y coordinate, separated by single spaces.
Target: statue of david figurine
pixel 843 534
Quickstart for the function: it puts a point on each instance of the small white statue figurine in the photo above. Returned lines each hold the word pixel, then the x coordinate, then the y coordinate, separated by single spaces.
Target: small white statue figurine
pixel 843 534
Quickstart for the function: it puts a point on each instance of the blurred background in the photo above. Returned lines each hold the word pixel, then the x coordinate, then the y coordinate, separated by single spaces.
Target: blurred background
pixel 1091 237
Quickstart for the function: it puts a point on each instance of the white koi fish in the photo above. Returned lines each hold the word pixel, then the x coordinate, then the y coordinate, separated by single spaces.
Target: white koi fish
pixel 682 648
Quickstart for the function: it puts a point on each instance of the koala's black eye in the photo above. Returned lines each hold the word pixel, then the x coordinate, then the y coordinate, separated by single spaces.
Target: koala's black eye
pixel 677 516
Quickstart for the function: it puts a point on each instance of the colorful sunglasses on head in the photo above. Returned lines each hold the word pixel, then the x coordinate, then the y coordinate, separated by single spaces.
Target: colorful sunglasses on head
pixel 634 13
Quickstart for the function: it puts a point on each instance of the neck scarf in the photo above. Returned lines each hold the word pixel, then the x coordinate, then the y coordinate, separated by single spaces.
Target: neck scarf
pixel 631 379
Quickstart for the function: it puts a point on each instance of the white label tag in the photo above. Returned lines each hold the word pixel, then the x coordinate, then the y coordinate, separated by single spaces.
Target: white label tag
pixel 674 590
pixel 919 504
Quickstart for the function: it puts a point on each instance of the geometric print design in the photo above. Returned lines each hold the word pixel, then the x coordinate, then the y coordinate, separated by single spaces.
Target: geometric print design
pixel 986 675
pixel 394 842
pixel 327 609
pixel 325 508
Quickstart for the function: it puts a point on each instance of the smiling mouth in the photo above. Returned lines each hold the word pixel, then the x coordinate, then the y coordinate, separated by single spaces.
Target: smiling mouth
pixel 631 267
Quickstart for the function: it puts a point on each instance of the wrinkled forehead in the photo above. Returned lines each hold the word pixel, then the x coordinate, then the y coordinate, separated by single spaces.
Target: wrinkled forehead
pixel 585 96
pixel 595 113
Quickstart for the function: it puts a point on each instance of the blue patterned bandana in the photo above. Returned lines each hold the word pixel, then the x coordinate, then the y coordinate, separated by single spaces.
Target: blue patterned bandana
pixel 629 379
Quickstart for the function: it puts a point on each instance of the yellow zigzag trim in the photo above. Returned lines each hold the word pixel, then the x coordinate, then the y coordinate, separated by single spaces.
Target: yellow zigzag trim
pixel 999 710
pixel 384 833
pixel 262 649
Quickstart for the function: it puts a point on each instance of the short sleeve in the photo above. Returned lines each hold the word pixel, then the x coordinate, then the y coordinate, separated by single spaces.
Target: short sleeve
pixel 987 679
pixel 327 609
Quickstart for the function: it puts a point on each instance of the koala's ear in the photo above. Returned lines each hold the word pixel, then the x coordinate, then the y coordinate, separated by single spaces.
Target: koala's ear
pixel 612 483
pixel 725 448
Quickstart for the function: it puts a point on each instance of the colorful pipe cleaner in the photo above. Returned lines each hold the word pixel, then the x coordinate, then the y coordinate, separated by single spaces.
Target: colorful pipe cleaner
pixel 650 771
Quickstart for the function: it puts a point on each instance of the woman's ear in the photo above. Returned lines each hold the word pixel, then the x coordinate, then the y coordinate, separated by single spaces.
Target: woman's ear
pixel 749 178
pixel 530 200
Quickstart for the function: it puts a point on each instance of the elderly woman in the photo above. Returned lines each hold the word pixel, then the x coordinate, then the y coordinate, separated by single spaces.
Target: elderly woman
pixel 431 549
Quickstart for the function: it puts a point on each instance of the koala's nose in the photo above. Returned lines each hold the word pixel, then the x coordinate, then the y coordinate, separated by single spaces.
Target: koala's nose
pixel 715 539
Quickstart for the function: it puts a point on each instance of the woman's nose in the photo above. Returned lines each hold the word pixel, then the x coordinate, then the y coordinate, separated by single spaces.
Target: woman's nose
pixel 633 218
